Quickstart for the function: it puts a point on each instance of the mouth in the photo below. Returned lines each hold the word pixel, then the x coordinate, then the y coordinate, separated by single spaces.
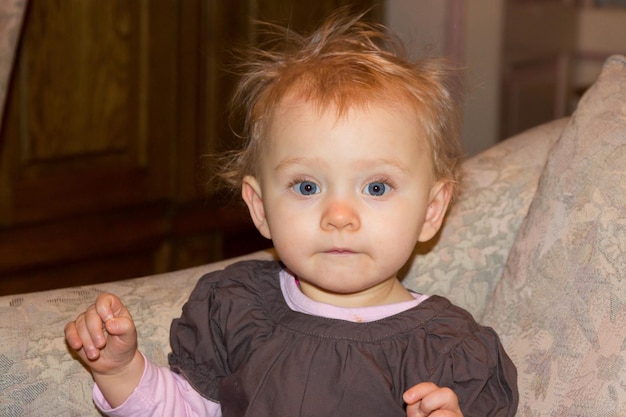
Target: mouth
pixel 340 251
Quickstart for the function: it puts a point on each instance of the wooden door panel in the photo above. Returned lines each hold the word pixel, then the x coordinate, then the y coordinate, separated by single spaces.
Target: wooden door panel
pixel 79 105
pixel 88 127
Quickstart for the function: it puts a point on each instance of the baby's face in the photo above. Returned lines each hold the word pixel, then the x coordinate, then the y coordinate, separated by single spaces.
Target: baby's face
pixel 345 200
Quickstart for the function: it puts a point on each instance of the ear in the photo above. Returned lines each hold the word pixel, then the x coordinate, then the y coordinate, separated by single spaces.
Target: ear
pixel 440 196
pixel 251 194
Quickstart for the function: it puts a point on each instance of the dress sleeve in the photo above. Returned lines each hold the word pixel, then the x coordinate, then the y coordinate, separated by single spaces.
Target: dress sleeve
pixel 483 376
pixel 198 351
pixel 224 313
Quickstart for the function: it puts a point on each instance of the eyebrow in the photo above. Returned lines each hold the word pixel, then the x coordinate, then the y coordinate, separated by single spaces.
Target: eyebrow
pixel 286 163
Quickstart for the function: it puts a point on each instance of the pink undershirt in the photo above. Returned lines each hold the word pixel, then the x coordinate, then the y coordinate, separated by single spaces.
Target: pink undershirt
pixel 162 392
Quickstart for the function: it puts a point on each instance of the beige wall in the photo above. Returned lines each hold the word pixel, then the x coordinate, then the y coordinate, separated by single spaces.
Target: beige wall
pixel 420 23
pixel 483 60
pixel 425 24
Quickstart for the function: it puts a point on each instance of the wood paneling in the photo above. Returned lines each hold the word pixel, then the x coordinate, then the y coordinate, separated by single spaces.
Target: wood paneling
pixel 89 61
pixel 89 125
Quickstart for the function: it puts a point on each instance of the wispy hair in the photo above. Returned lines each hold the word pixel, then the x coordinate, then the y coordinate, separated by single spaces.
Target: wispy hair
pixel 346 63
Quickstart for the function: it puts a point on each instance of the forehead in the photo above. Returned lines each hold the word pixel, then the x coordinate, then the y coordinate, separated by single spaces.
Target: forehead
pixel 295 107
pixel 368 132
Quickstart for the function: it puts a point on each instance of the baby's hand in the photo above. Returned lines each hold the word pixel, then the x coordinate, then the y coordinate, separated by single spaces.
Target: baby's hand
pixel 104 336
pixel 427 399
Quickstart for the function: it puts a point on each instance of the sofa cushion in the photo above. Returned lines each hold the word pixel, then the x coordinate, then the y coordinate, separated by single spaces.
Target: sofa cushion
pixel 465 262
pixel 560 307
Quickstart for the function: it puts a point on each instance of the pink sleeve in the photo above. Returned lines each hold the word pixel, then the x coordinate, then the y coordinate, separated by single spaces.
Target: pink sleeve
pixel 160 392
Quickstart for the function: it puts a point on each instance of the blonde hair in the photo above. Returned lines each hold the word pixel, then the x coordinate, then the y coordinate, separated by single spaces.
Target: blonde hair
pixel 347 62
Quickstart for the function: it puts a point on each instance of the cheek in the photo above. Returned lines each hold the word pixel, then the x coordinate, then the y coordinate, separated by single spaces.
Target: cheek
pixel 287 224
pixel 399 229
pixel 394 252
pixel 404 215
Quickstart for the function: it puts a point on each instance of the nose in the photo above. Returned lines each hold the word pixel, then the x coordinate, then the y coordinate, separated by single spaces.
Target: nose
pixel 340 214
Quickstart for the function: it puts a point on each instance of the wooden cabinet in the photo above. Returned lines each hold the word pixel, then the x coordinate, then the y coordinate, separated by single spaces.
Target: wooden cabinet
pixel 114 109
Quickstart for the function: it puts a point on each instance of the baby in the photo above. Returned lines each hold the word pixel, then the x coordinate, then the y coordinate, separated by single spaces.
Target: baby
pixel 350 159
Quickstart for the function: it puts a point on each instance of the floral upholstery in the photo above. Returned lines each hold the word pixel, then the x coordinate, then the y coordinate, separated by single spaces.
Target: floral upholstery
pixel 560 307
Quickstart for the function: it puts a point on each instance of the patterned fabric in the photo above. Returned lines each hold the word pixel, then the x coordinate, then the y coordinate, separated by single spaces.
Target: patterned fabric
pixel 560 307
pixel 467 259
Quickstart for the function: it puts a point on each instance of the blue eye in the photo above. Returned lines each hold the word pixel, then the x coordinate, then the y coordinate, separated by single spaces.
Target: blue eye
pixel 306 188
pixel 377 189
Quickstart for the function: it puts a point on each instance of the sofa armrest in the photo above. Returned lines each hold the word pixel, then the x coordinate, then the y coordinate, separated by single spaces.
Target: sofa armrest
pixel 39 375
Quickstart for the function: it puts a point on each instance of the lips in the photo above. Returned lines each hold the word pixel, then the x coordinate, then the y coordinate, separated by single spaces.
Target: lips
pixel 340 251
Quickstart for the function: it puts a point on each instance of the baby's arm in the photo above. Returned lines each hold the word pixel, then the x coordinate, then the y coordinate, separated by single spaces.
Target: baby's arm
pixel 160 392
pixel 120 370
pixel 116 363
pixel 427 399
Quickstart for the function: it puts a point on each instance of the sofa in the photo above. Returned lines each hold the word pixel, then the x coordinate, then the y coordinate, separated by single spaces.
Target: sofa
pixel 534 247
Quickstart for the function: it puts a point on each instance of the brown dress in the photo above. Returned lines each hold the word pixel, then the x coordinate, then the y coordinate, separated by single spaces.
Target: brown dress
pixel 239 344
